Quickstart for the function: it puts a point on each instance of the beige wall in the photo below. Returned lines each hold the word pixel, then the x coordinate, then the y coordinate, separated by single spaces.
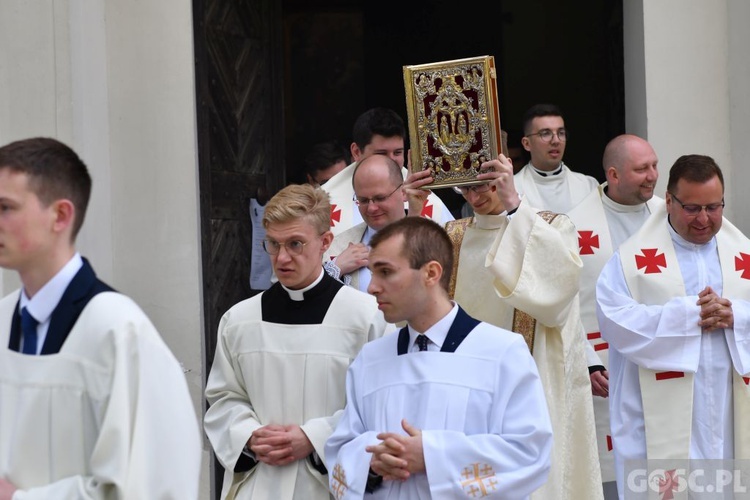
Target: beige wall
pixel 114 79
pixel 688 86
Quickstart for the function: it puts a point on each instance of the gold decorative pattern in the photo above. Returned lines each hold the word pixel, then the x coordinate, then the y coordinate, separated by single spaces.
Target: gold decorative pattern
pixel 547 216
pixel 525 325
pixel 454 118
pixel 338 482
pixel 456 230
pixel 478 480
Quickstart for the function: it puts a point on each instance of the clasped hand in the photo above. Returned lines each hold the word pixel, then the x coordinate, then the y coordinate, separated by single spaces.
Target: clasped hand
pixel 397 457
pixel 716 312
pixel 279 444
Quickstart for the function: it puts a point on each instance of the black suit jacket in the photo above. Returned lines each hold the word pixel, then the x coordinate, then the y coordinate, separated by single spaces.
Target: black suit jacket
pixel 80 291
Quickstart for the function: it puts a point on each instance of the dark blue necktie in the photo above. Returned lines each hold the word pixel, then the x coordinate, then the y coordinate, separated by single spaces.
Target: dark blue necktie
pixel 422 342
pixel 28 328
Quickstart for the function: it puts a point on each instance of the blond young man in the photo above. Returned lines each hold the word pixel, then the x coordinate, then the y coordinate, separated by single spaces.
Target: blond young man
pixel 276 386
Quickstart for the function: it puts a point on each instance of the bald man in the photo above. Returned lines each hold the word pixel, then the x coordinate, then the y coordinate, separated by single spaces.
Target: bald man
pixel 608 216
pixel 380 193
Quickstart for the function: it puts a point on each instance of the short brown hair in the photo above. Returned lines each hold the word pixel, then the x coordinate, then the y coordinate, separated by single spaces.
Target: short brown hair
pixel 694 168
pixel 54 172
pixel 424 241
pixel 298 201
pixel 538 111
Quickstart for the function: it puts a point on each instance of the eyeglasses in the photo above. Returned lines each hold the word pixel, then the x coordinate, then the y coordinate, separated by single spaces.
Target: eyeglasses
pixel 546 135
pixel 361 200
pixel 294 247
pixel 692 209
pixel 478 189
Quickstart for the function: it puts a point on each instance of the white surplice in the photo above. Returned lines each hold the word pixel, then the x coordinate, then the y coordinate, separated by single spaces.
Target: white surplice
pixel 666 337
pixel 485 428
pixel 532 265
pixel 288 372
pixel 108 416
pixel 557 193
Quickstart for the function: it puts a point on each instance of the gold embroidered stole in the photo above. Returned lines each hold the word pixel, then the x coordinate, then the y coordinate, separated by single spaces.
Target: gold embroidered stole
pixel 667 397
pixel 523 323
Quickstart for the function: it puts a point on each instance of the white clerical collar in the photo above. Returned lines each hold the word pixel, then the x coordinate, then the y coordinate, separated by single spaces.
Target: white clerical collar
pixel 299 295
pixel 46 299
pixel 544 173
pixel 619 207
pixel 437 332
pixel 683 243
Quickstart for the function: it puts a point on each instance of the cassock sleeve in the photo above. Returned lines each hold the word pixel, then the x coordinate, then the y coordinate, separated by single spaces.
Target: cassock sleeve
pixel 657 337
pixel 536 266
pixel 517 448
pixel 592 358
pixel 230 418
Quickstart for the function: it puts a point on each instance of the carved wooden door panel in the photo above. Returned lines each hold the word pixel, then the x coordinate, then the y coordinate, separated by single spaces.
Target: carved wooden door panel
pixel 240 142
pixel 240 139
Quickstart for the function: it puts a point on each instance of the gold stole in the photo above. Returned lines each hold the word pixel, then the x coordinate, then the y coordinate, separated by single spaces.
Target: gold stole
pixel 668 396
pixel 523 323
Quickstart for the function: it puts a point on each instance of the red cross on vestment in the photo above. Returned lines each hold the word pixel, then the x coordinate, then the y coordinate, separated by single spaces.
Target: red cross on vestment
pixel 742 263
pixel 335 214
pixel 669 484
pixel 650 260
pixel 587 241
pixel 426 210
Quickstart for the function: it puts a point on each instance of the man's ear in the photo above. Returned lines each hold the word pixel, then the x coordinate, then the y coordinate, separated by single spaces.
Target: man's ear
pixel 64 214
pixel 526 143
pixel 327 240
pixel 355 151
pixel 433 273
pixel 612 174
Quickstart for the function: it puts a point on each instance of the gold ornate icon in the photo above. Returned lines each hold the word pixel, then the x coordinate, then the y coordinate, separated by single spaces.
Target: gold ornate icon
pixel 454 118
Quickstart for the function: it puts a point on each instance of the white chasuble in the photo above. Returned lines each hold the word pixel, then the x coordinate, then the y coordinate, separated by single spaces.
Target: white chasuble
pixel 481 409
pixel 673 389
pixel 273 373
pixel 596 244
pixel 344 211
pixel 532 265
pixel 108 416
